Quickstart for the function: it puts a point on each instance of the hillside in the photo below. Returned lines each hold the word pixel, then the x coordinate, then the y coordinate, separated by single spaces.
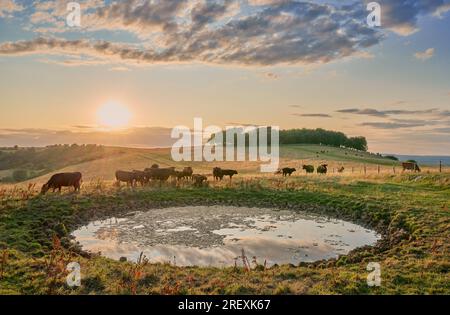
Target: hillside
pixel 113 158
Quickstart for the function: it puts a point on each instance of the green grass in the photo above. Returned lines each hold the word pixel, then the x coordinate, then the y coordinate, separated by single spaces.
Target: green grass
pixel 411 212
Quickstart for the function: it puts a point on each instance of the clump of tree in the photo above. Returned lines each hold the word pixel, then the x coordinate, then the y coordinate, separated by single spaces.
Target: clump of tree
pixel 322 136
pixel 308 136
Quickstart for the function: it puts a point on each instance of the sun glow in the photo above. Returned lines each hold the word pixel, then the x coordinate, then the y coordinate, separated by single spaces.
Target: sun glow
pixel 113 115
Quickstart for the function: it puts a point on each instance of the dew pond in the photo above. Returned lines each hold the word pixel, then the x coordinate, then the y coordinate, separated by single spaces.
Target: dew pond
pixel 216 236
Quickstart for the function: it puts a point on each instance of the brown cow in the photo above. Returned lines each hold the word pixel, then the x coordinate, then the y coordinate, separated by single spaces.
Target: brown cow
pixel 127 177
pixel 322 169
pixel 199 179
pixel 63 180
pixel 288 171
pixel 217 173
pixel 140 176
pixel 161 174
pixel 411 166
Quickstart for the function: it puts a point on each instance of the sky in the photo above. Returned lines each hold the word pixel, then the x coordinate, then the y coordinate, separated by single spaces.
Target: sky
pixel 293 64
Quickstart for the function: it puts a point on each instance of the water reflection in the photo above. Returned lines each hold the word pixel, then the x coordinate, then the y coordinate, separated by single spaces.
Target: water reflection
pixel 215 236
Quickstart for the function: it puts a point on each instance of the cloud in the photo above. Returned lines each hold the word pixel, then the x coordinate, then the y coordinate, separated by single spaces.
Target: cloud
pixel 401 16
pixel 217 32
pixel 137 137
pixel 427 54
pixel 385 113
pixel 271 76
pixel 392 125
pixel 8 7
pixel 312 115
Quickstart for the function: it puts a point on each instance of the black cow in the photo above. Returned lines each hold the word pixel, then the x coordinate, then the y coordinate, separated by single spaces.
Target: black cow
pixel 308 168
pixel 322 169
pixel 288 171
pixel 63 180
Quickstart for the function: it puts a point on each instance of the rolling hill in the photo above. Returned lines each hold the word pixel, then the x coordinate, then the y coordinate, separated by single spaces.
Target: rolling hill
pixel 102 166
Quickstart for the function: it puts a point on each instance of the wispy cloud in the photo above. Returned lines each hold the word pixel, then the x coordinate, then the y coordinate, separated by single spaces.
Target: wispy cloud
pixel 313 115
pixel 83 134
pixel 425 55
pixel 9 7
pixel 385 113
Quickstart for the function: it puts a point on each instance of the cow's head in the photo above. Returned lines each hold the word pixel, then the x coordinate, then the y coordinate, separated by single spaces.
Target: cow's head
pixel 44 189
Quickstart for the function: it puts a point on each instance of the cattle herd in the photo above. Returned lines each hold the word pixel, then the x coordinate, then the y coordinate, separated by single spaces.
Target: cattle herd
pixel 321 169
pixel 156 173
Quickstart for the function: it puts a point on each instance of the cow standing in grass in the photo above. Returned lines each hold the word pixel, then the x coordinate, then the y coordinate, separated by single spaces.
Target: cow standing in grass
pixel 308 168
pixel 219 173
pixel 322 169
pixel 161 174
pixel 411 166
pixel 140 177
pixel 288 171
pixel 60 180
pixel 199 179
pixel 126 177
pixel 341 169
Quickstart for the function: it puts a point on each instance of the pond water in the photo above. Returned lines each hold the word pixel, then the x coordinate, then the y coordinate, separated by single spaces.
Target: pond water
pixel 217 236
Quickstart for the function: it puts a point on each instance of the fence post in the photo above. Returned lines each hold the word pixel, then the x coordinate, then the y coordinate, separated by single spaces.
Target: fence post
pixel 378 169
pixel 365 169
pixel 393 167
pixel 440 166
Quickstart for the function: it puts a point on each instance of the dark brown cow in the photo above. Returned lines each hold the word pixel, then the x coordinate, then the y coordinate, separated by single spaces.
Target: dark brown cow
pixel 230 173
pixel 322 169
pixel 341 169
pixel 308 168
pixel 127 177
pixel 411 166
pixel 187 172
pixel 288 171
pixel 161 174
pixel 140 176
pixel 63 180
pixel 217 173
pixel 199 179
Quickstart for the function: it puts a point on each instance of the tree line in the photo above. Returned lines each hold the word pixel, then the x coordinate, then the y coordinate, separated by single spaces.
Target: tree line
pixel 306 136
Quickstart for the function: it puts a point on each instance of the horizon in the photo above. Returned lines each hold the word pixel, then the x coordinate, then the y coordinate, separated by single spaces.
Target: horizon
pixel 129 68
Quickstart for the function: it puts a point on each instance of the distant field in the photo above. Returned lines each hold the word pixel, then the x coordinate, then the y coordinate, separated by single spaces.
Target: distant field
pixel 114 158
pixel 103 164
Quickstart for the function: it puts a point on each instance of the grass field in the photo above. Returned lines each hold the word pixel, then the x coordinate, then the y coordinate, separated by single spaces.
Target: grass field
pixel 113 158
pixel 409 210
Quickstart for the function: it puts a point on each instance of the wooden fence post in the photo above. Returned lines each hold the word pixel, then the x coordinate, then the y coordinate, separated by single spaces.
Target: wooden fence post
pixel 440 166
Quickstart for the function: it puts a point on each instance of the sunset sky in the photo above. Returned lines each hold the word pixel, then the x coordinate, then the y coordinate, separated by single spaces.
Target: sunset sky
pixel 158 64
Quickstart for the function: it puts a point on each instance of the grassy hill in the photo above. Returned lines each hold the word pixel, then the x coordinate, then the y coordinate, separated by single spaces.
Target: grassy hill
pixel 100 163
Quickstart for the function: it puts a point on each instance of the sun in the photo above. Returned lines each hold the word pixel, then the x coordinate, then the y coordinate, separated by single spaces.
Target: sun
pixel 113 115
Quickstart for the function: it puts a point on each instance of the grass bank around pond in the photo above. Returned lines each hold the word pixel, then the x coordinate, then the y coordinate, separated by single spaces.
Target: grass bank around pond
pixel 410 211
